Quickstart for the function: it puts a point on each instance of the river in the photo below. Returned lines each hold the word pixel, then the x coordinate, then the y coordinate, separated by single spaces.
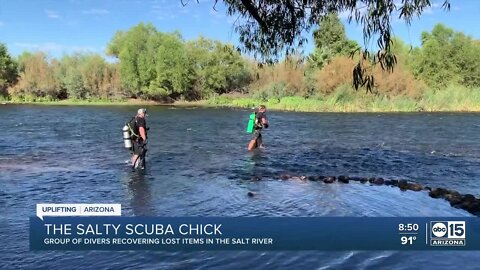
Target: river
pixel 197 165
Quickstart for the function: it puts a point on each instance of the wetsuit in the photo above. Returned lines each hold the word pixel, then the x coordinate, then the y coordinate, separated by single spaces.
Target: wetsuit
pixel 137 141
pixel 257 128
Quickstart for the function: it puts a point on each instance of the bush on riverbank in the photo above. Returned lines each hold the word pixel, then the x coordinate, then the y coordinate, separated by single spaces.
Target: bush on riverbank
pixel 345 99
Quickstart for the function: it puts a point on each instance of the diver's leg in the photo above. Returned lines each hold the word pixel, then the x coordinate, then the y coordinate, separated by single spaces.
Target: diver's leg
pixel 142 157
pixel 260 141
pixel 134 158
pixel 253 142
pixel 252 145
pixel 136 154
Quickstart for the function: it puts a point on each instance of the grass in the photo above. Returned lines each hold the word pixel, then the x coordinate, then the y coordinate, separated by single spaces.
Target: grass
pixel 344 99
pixel 452 99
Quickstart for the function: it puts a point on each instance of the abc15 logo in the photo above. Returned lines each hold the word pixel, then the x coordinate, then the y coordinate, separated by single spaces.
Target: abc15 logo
pixel 448 229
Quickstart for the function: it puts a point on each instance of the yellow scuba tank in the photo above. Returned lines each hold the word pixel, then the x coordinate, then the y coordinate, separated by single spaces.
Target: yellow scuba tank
pixel 251 123
pixel 127 138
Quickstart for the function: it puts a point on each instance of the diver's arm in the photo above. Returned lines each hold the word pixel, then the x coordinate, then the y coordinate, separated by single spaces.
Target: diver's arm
pixel 142 133
pixel 265 122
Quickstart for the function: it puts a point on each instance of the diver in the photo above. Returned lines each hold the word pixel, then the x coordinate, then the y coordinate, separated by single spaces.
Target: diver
pixel 260 122
pixel 137 141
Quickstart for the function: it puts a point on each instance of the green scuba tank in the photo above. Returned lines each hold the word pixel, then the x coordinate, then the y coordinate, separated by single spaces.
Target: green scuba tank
pixel 251 123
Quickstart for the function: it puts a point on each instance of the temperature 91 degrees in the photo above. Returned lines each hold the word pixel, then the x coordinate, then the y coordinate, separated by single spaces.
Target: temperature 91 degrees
pixel 408 233
pixel 408 240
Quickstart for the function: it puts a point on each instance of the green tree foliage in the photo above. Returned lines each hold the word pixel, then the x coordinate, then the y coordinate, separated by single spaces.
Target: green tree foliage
pixel 447 57
pixel 330 40
pixel 400 48
pixel 70 76
pixel 173 68
pixel 218 68
pixel 331 34
pixel 157 65
pixel 136 50
pixel 8 70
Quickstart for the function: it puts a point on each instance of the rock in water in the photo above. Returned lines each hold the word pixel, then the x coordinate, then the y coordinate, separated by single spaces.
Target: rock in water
pixel 378 181
pixel 343 179
pixel 321 178
pixel 437 193
pixel 355 179
pixel 414 186
pixel 470 206
pixel 468 198
pixel 250 194
pixel 329 179
pixel 455 193
pixel 403 184
pixel 394 182
pixel 453 198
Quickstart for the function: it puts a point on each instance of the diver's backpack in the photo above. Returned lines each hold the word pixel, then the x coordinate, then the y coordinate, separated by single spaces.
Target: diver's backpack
pixel 133 128
pixel 130 132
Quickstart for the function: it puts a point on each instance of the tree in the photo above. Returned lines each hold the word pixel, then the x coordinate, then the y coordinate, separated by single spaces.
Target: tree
pixel 269 27
pixel 8 70
pixel 330 40
pixel 158 65
pixel 447 57
pixel 69 74
pixel 173 69
pixel 36 77
pixel 136 50
pixel 218 67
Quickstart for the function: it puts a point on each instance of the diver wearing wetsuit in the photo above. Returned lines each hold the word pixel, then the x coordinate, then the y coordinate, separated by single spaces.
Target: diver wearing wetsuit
pixel 139 135
pixel 260 123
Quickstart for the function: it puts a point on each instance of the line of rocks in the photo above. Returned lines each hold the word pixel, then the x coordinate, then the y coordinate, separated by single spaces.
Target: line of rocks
pixel 467 202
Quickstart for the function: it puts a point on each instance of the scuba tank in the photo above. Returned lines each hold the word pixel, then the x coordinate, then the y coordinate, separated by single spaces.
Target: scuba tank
pixel 251 123
pixel 127 139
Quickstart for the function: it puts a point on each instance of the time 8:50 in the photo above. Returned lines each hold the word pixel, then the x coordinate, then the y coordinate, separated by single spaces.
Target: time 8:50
pixel 408 227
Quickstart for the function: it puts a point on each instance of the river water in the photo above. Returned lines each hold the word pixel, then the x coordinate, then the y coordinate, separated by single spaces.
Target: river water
pixel 198 166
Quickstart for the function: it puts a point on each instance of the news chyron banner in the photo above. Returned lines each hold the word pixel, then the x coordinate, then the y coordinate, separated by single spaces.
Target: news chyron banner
pixel 101 227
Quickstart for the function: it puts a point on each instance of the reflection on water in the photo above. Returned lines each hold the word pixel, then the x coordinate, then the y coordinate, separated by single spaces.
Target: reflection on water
pixel 197 165
pixel 141 196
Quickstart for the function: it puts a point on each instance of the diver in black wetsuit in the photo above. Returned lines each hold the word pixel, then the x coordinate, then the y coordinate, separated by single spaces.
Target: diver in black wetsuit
pixel 260 123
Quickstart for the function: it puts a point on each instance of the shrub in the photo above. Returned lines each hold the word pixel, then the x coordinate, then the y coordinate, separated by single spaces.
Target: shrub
pixel 282 79
pixel 397 83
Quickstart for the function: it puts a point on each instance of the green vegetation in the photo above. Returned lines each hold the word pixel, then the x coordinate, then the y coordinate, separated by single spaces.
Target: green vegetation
pixel 162 66
pixel 347 100
pixel 443 74
pixel 330 41
pixel 8 70
pixel 447 57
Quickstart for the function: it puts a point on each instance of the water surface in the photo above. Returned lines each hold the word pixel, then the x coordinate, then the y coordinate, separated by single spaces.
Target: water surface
pixel 198 166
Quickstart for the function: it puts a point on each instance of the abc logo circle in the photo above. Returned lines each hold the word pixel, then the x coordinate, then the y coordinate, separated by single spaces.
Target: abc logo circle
pixel 439 229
